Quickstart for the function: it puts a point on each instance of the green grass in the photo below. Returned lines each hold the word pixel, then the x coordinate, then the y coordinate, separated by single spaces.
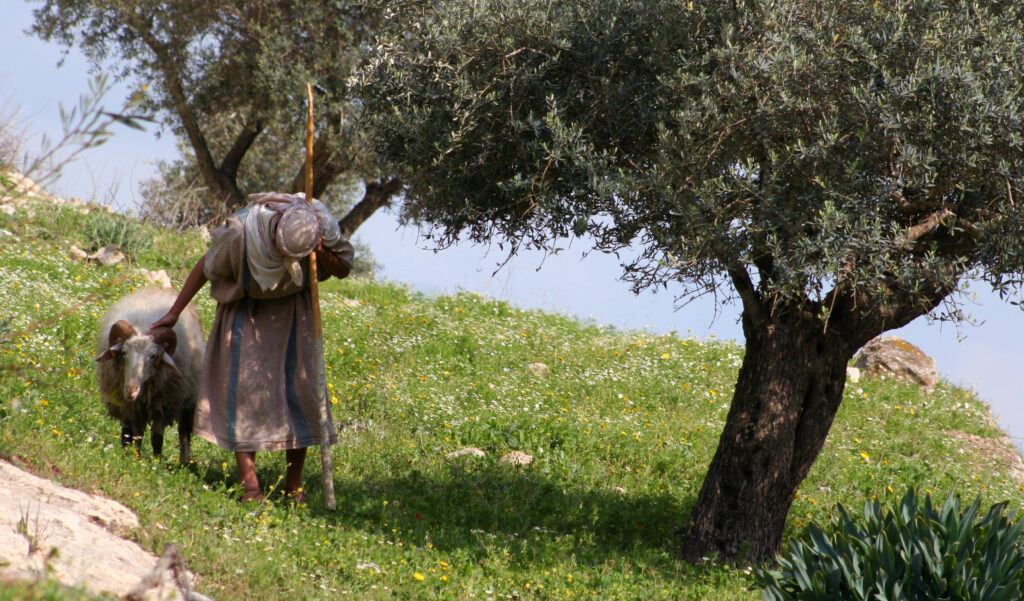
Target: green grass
pixel 622 432
pixel 45 591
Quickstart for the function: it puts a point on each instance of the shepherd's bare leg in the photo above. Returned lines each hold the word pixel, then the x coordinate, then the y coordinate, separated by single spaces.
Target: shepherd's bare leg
pixel 247 476
pixel 296 459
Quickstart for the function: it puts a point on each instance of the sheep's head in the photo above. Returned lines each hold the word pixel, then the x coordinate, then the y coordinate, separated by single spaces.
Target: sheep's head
pixel 140 355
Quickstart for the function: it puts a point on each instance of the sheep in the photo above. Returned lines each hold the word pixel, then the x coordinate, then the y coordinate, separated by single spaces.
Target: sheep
pixel 150 377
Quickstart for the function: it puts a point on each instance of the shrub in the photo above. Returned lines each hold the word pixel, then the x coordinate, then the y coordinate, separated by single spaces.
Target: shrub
pixel 911 552
pixel 127 233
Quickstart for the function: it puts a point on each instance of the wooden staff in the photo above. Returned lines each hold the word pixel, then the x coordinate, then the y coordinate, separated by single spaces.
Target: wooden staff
pixel 318 344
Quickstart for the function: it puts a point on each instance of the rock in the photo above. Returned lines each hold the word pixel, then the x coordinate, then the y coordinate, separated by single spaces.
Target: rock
pixel 160 278
pixel 204 233
pixel 22 188
pixel 853 374
pixel 77 254
pixel 107 256
pixel 70 535
pixel 539 369
pixel 355 426
pixel 892 357
pixel 516 458
pixel 997 454
pixel 472 452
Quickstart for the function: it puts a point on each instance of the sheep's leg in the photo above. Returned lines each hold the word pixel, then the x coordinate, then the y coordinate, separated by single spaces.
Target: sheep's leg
pixel 185 423
pixel 126 434
pixel 156 435
pixel 132 433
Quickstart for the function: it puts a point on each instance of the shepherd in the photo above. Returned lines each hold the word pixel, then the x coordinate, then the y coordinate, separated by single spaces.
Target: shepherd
pixel 259 389
pixel 263 385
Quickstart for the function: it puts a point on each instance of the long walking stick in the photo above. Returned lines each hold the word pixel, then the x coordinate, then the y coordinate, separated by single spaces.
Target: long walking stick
pixel 318 325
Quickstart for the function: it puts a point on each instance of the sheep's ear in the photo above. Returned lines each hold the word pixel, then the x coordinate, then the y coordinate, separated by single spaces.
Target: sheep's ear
pixel 169 362
pixel 165 338
pixel 110 353
pixel 121 331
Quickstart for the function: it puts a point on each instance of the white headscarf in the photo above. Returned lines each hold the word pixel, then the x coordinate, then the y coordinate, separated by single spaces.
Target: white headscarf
pixel 280 231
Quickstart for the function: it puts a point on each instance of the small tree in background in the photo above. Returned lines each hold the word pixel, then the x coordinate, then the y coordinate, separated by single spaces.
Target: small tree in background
pixel 228 78
pixel 839 167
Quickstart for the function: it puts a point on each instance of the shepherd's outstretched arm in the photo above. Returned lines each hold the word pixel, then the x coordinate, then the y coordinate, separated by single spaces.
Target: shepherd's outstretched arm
pixel 193 284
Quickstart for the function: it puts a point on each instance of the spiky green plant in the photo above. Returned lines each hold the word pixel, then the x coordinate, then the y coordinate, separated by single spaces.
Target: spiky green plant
pixel 911 552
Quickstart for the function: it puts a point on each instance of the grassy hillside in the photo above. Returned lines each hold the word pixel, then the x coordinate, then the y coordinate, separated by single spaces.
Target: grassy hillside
pixel 621 431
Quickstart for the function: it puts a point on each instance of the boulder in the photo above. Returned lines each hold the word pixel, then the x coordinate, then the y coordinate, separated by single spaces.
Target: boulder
pixel 74 537
pixel 107 256
pixel 159 277
pixel 472 452
pixel 77 254
pixel 539 369
pixel 516 458
pixel 892 357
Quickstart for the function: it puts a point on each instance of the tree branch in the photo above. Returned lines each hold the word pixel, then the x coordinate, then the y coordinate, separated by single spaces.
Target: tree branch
pixel 327 166
pixel 926 226
pixel 224 187
pixel 251 130
pixel 745 288
pixel 378 193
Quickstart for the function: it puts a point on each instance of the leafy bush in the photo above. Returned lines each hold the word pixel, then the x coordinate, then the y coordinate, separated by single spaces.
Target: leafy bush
pixel 911 552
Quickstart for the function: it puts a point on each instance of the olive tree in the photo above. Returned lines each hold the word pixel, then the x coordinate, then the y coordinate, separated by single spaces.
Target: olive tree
pixel 228 77
pixel 839 167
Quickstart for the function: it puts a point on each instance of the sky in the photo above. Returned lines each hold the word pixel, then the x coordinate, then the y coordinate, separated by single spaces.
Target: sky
pixel 985 358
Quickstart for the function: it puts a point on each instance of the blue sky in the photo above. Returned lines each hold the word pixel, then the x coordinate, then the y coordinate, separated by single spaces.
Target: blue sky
pixel 31 85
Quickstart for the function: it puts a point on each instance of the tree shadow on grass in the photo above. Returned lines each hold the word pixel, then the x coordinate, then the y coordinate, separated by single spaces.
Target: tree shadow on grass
pixel 524 511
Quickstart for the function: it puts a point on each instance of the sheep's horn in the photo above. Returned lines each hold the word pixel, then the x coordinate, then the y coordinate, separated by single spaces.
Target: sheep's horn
pixel 165 337
pixel 121 331
pixel 169 362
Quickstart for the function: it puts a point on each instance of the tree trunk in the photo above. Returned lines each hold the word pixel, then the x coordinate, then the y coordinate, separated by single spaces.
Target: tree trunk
pixel 378 193
pixel 327 166
pixel 788 391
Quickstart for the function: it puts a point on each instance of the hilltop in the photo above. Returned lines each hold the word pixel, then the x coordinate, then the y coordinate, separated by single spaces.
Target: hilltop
pixel 620 426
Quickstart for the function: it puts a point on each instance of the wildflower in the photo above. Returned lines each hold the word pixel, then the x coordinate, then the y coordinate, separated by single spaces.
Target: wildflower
pixel 419 576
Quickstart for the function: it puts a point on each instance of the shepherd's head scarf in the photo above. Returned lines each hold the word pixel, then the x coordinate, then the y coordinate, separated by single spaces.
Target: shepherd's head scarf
pixel 280 231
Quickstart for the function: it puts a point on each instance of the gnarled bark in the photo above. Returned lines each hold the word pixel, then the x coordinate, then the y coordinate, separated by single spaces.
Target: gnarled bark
pixel 789 389
pixel 787 394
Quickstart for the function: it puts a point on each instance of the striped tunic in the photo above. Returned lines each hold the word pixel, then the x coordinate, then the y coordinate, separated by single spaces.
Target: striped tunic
pixel 258 389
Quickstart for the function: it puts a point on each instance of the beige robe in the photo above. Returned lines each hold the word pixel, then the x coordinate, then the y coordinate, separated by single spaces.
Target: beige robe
pixel 258 389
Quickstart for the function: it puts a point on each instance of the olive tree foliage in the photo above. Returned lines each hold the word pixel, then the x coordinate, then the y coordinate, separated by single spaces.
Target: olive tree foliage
pixel 228 78
pixel 839 167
